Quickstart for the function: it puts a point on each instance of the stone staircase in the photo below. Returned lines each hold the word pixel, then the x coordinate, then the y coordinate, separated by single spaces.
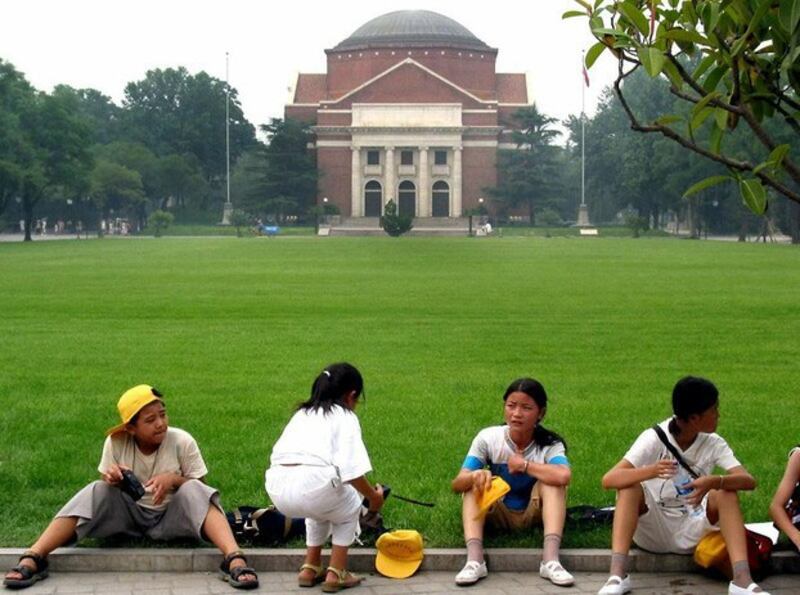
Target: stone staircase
pixel 427 226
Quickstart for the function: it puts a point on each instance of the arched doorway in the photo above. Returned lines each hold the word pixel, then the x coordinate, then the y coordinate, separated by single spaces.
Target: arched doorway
pixel 407 195
pixel 441 199
pixel 373 199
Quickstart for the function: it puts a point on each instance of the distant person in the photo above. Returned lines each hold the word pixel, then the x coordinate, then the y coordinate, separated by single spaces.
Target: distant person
pixel 533 461
pixel 785 506
pixel 651 512
pixel 318 470
pixel 175 501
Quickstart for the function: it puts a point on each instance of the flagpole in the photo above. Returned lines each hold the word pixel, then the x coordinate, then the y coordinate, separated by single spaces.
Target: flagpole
pixel 583 133
pixel 227 209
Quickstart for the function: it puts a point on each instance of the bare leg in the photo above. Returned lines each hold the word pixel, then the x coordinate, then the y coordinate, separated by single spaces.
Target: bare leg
pixel 473 529
pixel 723 507
pixel 218 531
pixel 59 532
pixel 630 505
pixel 339 561
pixel 313 558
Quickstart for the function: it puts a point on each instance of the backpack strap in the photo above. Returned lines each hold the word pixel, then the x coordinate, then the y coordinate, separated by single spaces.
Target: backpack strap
pixel 674 451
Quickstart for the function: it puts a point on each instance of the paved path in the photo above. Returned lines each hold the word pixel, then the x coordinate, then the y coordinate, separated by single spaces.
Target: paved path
pixel 499 583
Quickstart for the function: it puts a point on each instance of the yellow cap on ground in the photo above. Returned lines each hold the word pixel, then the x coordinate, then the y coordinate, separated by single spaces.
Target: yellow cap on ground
pixel 399 553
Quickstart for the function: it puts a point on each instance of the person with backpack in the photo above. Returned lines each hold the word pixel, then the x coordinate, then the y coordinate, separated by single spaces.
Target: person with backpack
pixel 318 471
pixel 667 497
pixel 785 506
pixel 533 462
pixel 153 485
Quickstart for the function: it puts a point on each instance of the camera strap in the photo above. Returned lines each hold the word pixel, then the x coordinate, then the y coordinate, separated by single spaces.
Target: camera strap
pixel 674 451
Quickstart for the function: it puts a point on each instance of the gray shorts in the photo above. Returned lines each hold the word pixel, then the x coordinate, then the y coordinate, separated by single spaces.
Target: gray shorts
pixel 104 510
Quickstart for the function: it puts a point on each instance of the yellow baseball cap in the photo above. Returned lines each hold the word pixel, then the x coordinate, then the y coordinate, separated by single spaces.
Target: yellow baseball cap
pixel 399 553
pixel 132 402
pixel 496 490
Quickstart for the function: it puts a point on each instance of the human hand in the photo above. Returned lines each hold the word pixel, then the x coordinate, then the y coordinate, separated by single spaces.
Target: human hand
pixel 160 485
pixel 664 469
pixel 481 480
pixel 700 488
pixel 113 474
pixel 376 499
pixel 517 463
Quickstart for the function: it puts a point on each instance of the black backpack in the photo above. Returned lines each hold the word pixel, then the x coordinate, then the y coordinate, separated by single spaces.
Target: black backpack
pixel 264 526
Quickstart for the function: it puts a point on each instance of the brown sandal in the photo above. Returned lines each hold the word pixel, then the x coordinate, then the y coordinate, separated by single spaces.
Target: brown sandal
pixel 345 580
pixel 29 575
pixel 319 576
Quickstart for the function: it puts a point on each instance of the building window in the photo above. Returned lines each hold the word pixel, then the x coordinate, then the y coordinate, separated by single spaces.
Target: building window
pixel 373 157
pixel 440 157
pixel 373 199
pixel 406 157
pixel 441 199
pixel 407 199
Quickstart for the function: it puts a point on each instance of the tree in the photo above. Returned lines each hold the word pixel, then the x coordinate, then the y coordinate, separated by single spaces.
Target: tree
pixel 98 110
pixel 115 187
pixel 159 221
pixel 748 75
pixel 174 112
pixel 527 174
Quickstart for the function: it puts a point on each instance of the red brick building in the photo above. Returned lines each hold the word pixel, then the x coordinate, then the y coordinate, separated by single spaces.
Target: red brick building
pixel 410 109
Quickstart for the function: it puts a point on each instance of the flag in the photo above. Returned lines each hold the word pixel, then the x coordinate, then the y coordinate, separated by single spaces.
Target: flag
pixel 585 74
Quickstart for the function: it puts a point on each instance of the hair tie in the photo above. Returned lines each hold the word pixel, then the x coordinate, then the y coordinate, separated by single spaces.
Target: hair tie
pixel 328 374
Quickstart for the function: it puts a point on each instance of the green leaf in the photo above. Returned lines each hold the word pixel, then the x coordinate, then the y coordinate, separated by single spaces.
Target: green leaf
pixel 635 16
pixel 721 117
pixel 700 117
pixel 715 140
pixel 753 195
pixel 789 14
pixel 615 33
pixel 652 59
pixel 707 183
pixel 594 53
pixel 684 35
pixel 713 78
pixel 778 154
pixel 573 13
pixel 704 65
pixel 705 101
pixel 673 75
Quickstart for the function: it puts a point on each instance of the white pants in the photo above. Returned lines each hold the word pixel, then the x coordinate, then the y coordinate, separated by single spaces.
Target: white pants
pixel 331 508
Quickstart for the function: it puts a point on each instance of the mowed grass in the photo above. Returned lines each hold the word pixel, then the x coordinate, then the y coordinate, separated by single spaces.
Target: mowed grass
pixel 233 331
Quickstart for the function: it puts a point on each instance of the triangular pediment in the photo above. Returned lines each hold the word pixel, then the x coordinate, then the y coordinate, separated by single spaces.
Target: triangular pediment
pixel 409 82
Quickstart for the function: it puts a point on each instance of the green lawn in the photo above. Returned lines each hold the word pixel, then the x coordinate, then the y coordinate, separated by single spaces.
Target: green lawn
pixel 233 331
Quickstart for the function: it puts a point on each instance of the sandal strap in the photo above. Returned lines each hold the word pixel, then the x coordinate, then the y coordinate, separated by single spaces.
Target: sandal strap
pixel 240 570
pixel 236 555
pixel 340 573
pixel 41 562
pixel 317 569
pixel 26 571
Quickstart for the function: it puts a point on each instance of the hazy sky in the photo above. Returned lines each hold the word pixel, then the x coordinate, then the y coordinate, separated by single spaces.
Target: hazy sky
pixel 106 44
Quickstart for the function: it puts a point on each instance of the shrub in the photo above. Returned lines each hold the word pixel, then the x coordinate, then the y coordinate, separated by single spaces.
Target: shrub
pixel 549 218
pixel 392 223
pixel 160 220
pixel 239 219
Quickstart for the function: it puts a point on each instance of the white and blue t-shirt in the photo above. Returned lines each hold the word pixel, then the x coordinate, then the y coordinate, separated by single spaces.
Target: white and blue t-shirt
pixel 492 447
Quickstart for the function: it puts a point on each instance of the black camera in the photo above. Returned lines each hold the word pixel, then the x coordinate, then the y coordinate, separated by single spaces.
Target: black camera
pixel 131 485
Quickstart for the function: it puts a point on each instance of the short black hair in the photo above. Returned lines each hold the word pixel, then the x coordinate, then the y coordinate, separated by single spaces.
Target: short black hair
pixel 693 395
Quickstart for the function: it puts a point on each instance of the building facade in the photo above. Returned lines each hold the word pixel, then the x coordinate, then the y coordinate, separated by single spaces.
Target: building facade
pixel 411 109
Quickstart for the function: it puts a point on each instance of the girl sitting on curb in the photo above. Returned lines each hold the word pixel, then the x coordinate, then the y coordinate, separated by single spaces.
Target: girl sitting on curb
pixel 532 460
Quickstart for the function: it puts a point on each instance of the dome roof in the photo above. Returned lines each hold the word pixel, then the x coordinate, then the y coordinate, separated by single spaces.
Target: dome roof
pixel 412 28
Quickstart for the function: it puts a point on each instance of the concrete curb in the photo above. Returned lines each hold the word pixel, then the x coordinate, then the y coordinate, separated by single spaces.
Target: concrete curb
pixel 360 559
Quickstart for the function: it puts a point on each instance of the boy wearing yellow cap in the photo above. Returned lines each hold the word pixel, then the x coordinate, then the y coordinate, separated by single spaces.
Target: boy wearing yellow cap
pixel 176 502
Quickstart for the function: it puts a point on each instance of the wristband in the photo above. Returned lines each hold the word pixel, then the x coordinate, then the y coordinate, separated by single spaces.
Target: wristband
pixel 720 482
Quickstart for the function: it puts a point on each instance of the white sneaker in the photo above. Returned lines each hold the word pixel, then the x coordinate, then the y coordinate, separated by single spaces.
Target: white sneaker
pixel 616 585
pixel 736 590
pixel 471 573
pixel 555 573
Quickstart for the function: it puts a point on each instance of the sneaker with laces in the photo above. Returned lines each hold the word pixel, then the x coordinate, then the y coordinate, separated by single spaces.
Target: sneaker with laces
pixel 616 585
pixel 471 573
pixel 555 573
pixel 751 588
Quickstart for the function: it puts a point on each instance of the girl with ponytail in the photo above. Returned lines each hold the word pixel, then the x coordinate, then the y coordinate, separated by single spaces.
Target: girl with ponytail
pixel 318 469
pixel 533 461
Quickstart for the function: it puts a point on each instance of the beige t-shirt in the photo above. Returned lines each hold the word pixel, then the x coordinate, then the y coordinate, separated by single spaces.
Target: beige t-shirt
pixel 177 454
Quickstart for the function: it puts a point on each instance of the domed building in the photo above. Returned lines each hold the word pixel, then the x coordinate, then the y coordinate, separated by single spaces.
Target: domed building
pixel 411 109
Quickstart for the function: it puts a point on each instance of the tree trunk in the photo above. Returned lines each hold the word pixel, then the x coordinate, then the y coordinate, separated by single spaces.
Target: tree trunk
pixel 693 219
pixel 794 222
pixel 27 214
pixel 531 214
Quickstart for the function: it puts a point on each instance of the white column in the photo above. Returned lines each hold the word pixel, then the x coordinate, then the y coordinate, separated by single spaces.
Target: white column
pixel 390 185
pixel 357 183
pixel 424 206
pixel 457 179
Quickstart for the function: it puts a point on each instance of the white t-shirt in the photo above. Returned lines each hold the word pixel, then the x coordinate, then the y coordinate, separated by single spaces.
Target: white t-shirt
pixel 314 438
pixel 706 453
pixel 178 454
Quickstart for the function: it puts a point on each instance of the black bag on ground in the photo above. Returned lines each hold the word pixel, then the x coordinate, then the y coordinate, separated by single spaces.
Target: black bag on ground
pixel 587 516
pixel 264 526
